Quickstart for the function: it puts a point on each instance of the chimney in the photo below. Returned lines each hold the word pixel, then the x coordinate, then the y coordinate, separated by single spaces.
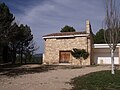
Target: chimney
pixel 88 26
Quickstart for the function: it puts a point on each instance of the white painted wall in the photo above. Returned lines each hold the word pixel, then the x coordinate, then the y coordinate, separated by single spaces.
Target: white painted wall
pixel 103 56
pixel 107 60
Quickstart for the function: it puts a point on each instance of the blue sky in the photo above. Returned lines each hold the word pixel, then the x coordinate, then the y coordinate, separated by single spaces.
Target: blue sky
pixel 49 16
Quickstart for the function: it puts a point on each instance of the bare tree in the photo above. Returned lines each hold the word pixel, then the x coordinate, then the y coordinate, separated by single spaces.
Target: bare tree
pixel 112 28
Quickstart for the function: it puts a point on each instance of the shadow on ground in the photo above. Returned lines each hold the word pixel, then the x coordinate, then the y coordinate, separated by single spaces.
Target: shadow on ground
pixel 17 70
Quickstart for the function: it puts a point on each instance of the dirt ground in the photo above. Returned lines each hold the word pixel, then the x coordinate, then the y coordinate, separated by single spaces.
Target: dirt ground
pixel 53 79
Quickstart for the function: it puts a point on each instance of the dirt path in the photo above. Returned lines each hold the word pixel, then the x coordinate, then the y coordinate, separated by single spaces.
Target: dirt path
pixel 51 80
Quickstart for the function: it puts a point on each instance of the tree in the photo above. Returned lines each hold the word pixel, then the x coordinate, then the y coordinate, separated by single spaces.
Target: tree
pixel 99 37
pixel 20 41
pixel 80 54
pixel 6 19
pixel 112 28
pixel 13 41
pixel 31 50
pixel 67 29
pixel 25 37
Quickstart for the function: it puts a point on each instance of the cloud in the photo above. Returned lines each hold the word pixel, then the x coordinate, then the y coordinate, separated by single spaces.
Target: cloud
pixel 49 16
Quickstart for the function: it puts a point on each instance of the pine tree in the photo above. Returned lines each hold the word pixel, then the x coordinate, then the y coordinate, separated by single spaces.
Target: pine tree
pixel 67 29
pixel 6 19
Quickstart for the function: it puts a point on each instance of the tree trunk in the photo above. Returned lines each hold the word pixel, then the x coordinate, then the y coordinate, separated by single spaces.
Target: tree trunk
pixel 21 53
pixel 25 60
pixel 14 55
pixel 81 61
pixel 21 57
pixel 5 54
pixel 112 61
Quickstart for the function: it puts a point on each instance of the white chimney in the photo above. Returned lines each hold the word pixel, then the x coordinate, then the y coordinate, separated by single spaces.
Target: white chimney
pixel 88 26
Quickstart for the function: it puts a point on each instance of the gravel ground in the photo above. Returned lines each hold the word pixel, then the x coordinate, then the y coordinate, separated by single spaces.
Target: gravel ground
pixel 51 80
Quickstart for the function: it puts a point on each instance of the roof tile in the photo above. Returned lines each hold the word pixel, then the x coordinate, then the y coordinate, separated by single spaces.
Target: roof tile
pixel 64 34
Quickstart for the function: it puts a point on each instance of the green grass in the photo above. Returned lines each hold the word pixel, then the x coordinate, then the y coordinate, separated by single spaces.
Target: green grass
pixel 102 80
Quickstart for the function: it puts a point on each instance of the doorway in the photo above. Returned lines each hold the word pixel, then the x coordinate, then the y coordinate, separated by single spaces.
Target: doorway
pixel 64 56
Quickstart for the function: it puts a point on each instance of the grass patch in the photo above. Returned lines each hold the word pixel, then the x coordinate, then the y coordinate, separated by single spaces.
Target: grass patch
pixel 102 80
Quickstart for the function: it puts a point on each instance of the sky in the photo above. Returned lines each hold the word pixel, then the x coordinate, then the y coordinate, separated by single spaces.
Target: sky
pixel 49 16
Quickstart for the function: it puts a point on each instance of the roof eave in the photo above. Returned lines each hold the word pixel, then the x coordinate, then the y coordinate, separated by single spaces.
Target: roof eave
pixel 103 45
pixel 66 36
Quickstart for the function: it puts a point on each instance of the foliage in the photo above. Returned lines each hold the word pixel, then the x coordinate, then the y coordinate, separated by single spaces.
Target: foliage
pixel 14 39
pixel 6 19
pixel 67 29
pixel 99 37
pixel 20 40
pixel 25 38
pixel 101 80
pixel 80 53
pixel 30 59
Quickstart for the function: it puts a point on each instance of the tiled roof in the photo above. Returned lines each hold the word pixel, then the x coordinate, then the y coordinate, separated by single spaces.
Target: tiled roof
pixel 64 34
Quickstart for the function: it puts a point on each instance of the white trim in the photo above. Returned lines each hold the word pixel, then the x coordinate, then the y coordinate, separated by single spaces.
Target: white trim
pixel 47 37
pixel 103 45
pixel 79 35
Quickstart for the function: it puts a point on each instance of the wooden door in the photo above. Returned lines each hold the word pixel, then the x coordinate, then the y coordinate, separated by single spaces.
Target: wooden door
pixel 64 56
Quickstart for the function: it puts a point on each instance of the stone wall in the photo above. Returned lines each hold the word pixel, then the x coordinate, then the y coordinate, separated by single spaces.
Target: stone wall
pixel 55 45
